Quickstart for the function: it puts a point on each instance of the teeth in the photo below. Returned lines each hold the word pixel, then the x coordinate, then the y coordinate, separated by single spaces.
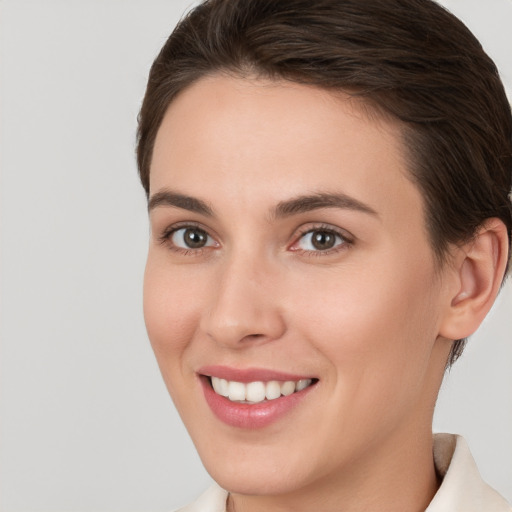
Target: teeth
pixel 288 388
pixel 236 391
pixel 255 392
pixel 302 384
pixel 272 390
pixel 220 386
pixel 216 385
pixel 224 387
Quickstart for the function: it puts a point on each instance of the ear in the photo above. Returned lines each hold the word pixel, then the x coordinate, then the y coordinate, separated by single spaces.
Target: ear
pixel 478 267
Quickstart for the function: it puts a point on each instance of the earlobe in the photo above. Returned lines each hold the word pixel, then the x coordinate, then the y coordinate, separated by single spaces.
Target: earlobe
pixel 479 267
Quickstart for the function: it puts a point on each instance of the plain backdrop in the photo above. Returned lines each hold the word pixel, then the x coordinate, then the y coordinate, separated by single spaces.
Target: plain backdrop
pixel 86 423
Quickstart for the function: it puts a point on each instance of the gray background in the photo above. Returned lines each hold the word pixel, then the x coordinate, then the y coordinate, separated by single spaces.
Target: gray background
pixel 86 423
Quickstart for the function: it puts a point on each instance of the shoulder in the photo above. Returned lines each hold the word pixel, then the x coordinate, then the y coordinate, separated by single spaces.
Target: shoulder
pixel 462 487
pixel 212 500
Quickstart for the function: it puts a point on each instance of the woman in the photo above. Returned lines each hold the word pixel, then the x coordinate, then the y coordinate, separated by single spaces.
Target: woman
pixel 328 186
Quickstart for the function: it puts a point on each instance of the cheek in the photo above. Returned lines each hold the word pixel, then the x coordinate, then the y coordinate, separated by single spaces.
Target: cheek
pixel 376 329
pixel 377 339
pixel 171 312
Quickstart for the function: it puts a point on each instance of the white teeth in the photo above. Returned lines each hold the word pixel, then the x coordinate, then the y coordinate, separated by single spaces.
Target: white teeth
pixel 272 390
pixel 255 392
pixel 236 391
pixel 302 384
pixel 216 386
pixel 224 387
pixel 220 386
pixel 288 387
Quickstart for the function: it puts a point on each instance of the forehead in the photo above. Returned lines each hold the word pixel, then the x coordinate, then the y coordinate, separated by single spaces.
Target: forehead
pixel 280 102
pixel 260 140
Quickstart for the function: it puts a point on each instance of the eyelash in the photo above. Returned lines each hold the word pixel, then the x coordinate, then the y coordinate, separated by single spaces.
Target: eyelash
pixel 165 239
pixel 346 240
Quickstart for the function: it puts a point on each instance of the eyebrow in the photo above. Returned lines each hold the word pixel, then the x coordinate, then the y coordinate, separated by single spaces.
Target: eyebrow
pixel 288 208
pixel 307 203
pixel 177 200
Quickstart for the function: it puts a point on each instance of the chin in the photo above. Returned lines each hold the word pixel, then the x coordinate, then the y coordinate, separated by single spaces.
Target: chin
pixel 257 481
pixel 259 469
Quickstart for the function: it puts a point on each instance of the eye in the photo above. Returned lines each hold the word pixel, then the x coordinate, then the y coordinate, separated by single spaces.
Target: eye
pixel 320 240
pixel 191 238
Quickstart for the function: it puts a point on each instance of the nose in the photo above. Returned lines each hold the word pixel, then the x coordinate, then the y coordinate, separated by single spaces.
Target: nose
pixel 244 307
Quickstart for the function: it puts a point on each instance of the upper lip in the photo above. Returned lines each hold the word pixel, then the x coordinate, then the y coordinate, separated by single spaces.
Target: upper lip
pixel 249 374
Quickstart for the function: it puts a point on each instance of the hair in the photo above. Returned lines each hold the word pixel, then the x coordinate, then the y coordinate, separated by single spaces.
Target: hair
pixel 411 60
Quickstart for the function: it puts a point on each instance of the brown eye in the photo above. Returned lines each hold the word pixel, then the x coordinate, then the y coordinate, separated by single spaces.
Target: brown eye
pixel 320 240
pixel 191 238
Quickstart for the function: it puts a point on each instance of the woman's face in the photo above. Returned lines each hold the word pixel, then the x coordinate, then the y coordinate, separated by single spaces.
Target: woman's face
pixel 288 244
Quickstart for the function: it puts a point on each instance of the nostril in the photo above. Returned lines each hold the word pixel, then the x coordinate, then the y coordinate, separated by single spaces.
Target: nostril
pixel 254 338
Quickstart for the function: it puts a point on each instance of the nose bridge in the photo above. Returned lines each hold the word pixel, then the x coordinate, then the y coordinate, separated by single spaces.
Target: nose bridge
pixel 245 306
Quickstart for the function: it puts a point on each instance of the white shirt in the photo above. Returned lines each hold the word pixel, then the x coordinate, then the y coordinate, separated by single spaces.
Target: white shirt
pixel 462 488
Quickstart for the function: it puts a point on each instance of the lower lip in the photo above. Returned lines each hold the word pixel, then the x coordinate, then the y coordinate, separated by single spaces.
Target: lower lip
pixel 250 416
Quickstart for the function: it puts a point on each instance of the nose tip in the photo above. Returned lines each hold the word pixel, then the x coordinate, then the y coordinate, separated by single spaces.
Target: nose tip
pixel 237 321
pixel 234 334
pixel 243 311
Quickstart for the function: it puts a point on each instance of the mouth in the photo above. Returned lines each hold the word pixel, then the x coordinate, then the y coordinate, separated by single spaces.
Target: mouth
pixel 256 392
pixel 253 398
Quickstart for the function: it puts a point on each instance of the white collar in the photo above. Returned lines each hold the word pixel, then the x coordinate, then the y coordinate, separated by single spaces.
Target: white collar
pixel 462 489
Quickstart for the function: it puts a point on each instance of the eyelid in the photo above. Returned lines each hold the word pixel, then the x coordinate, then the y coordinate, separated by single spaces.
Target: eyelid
pixel 347 238
pixel 167 232
pixel 165 237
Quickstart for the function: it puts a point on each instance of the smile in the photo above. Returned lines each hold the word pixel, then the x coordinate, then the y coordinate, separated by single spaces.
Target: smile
pixel 253 398
pixel 257 391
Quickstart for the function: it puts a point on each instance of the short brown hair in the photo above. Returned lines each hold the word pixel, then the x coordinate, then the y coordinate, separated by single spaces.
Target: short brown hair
pixel 410 59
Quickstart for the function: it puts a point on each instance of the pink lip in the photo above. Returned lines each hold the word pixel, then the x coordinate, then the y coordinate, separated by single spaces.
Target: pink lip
pixel 248 374
pixel 249 416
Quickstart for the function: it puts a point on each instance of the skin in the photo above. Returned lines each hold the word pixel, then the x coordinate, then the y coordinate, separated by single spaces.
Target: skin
pixel 365 317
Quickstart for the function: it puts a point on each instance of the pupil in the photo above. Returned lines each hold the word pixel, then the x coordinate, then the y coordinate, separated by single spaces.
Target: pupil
pixel 323 240
pixel 195 238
